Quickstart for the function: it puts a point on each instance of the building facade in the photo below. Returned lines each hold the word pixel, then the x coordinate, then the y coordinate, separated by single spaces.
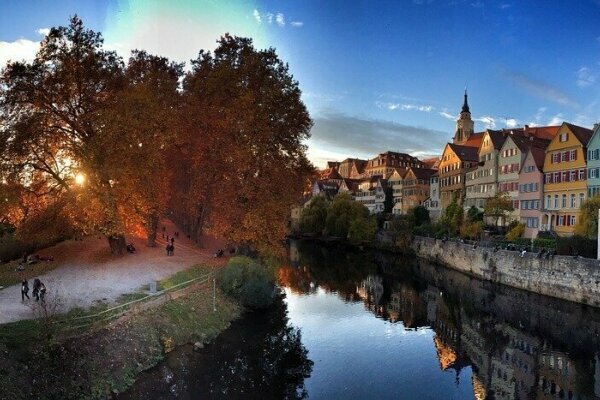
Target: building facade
pixel 386 163
pixel 456 161
pixel 565 181
pixel 432 203
pixel 481 183
pixel 531 185
pixel 415 188
pixel 593 163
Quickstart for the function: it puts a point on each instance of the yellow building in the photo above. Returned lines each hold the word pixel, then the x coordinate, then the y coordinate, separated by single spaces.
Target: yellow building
pixel 565 179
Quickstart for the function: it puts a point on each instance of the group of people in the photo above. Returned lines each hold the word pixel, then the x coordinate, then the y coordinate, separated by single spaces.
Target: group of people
pixel 39 290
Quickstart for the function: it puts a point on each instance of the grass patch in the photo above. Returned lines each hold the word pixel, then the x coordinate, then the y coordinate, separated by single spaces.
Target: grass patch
pixel 20 334
pixel 183 276
pixel 9 276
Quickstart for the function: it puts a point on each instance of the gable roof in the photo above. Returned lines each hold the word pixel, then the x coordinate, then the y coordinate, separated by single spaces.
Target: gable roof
pixel 524 143
pixel 422 173
pixel 498 138
pixel 465 153
pixel 582 134
pixel 474 140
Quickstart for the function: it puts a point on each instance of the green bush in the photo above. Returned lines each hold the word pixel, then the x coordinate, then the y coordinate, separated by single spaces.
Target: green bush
pixel 546 243
pixel 248 281
pixel 576 245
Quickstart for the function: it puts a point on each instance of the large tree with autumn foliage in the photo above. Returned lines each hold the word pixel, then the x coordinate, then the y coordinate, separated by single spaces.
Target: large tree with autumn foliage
pixel 77 109
pixel 244 159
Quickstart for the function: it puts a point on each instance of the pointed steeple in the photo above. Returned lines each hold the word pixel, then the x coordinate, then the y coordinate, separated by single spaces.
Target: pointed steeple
pixel 464 124
pixel 465 107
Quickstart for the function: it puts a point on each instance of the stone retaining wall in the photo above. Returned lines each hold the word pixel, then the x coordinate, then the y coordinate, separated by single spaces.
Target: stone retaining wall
pixel 564 277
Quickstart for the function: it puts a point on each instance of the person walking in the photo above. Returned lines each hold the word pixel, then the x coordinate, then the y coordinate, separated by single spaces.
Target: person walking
pixel 42 293
pixel 36 289
pixel 168 249
pixel 24 290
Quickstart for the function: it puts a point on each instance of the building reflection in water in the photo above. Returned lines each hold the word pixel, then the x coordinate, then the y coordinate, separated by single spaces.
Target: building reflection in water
pixel 519 345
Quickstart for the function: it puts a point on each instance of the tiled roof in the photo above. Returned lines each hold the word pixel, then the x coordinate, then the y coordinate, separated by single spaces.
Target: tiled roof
pixel 498 138
pixel 474 140
pixel 423 173
pixel 582 134
pixel 465 153
pixel 539 154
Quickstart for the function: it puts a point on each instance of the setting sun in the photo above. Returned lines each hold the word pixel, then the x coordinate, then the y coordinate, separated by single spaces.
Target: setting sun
pixel 80 179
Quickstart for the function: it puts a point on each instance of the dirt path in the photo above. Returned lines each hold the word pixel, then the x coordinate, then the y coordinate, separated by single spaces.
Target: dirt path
pixel 89 274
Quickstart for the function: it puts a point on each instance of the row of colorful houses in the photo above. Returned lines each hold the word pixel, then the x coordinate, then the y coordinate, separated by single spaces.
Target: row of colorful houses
pixel 546 171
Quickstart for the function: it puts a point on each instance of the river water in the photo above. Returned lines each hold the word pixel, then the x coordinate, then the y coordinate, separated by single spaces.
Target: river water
pixel 371 325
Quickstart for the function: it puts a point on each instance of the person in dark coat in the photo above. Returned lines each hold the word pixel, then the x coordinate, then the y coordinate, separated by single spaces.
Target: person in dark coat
pixel 36 289
pixel 168 249
pixel 42 293
pixel 24 290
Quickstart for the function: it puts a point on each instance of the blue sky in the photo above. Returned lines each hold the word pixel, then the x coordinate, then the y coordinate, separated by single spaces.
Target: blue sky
pixel 375 75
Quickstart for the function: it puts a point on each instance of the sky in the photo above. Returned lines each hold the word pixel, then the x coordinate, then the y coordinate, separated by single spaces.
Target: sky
pixel 375 75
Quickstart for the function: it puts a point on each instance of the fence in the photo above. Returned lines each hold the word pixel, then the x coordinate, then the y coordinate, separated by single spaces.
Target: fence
pixel 133 307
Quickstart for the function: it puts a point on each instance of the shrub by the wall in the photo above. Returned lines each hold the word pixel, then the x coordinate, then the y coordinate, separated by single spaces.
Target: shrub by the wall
pixel 248 281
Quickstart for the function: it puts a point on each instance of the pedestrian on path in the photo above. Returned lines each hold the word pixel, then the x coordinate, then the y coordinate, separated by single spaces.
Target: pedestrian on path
pixel 42 294
pixel 36 289
pixel 173 240
pixel 24 290
pixel 168 249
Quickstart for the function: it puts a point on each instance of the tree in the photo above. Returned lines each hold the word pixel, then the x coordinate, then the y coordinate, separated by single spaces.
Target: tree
pixel 419 215
pixel 473 214
pixel 54 113
pixel 452 217
pixel 498 207
pixel 244 125
pixel 388 203
pixel 362 229
pixel 587 225
pixel 314 215
pixel 515 232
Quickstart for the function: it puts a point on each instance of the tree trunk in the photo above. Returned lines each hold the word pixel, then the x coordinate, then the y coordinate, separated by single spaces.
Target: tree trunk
pixel 117 244
pixel 152 225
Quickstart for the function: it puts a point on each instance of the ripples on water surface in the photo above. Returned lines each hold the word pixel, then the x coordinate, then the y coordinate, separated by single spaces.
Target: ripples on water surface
pixel 377 326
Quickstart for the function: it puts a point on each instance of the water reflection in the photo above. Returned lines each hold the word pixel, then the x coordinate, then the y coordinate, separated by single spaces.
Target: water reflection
pixel 518 345
pixel 260 356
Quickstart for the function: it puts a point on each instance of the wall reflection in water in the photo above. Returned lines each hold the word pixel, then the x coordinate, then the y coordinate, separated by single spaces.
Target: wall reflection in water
pixel 520 345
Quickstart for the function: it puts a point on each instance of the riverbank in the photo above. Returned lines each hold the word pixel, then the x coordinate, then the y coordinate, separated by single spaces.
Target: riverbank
pixel 107 361
pixel 564 277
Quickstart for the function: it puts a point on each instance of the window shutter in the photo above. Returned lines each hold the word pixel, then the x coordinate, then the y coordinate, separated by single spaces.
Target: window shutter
pixel 575 155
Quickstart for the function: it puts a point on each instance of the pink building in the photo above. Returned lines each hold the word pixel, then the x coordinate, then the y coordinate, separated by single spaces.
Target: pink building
pixel 531 188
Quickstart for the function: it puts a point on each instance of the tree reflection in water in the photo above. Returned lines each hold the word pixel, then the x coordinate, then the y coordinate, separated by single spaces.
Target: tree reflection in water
pixel 260 356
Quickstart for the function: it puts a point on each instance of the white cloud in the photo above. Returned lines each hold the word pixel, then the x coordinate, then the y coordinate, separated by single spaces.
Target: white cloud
pixel 444 113
pixel 43 31
pixel 297 24
pixel 511 123
pixel 489 122
pixel 404 107
pixel 19 50
pixel 269 17
pixel 556 119
pixel 280 19
pixel 585 77
pixel 256 16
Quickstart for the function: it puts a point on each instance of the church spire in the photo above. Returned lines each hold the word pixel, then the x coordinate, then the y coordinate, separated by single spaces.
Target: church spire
pixel 465 107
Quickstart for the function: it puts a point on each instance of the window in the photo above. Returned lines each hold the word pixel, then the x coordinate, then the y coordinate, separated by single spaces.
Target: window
pixel 564 201
pixel 564 156
pixel 573 200
pixel 564 177
pixel 556 201
pixel 564 137
pixel 573 176
pixel 573 220
pixel 548 201
pixel 555 158
pixel 561 220
pixel 582 174
pixel 593 173
pixel 581 198
pixel 573 155
pixel 556 177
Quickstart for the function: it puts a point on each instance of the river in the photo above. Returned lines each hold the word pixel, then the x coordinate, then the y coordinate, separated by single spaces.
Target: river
pixel 371 325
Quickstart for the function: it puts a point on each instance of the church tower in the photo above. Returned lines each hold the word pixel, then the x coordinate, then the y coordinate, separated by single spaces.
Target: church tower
pixel 464 124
